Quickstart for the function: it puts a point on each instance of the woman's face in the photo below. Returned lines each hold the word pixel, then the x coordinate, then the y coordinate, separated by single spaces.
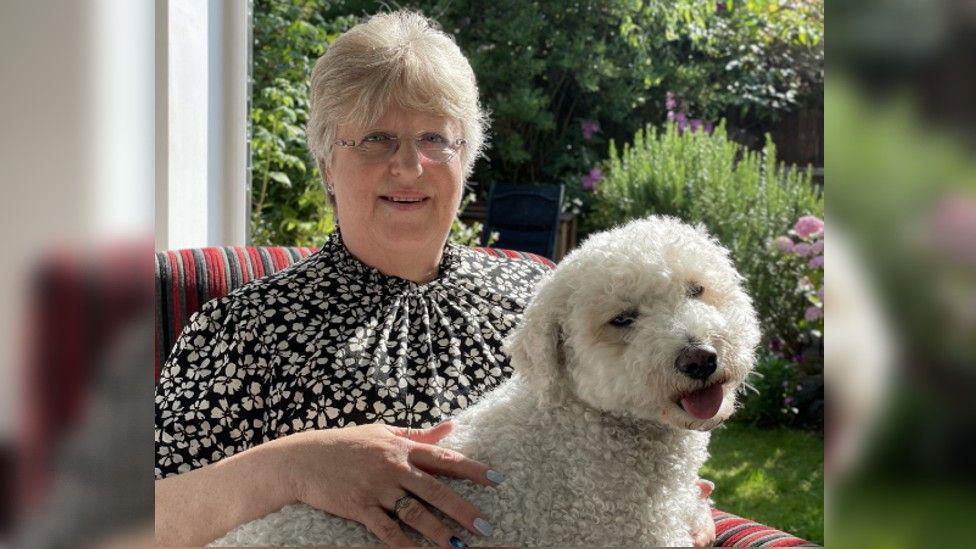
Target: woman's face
pixel 402 203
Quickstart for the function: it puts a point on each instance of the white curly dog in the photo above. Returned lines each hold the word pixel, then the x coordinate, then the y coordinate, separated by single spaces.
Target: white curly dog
pixel 632 350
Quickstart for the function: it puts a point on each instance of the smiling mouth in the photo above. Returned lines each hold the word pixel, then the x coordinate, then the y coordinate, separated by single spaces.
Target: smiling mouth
pixel 703 403
pixel 405 202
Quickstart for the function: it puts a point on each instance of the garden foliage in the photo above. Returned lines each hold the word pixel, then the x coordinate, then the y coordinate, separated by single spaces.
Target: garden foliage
pixel 288 204
pixel 560 78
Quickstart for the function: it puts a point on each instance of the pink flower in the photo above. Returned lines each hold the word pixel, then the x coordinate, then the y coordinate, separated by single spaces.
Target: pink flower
pixel 817 247
pixel 808 226
pixel 670 102
pixel 802 249
pixel 951 227
pixel 784 244
pixel 590 180
pixel 813 313
pixel 817 262
pixel 589 127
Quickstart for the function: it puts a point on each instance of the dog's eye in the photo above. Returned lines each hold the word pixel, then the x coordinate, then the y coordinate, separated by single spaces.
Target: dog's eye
pixel 624 319
pixel 695 289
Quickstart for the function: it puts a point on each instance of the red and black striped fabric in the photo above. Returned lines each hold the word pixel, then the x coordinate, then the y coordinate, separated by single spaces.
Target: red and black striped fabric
pixel 78 307
pixel 186 279
pixel 733 531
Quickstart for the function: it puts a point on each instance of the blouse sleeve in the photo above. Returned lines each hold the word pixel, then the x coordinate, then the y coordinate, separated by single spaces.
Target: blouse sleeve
pixel 209 401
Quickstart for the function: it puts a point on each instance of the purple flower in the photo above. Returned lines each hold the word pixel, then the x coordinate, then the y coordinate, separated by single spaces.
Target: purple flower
pixel 709 126
pixel 695 124
pixel 784 244
pixel 817 247
pixel 799 387
pixel 589 127
pixel 813 313
pixel 682 120
pixel 817 262
pixel 820 293
pixel 808 226
pixel 591 179
pixel 774 344
pixel 802 249
pixel 788 401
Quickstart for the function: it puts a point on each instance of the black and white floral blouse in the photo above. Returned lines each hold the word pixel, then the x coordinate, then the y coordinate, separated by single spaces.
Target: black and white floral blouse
pixel 331 342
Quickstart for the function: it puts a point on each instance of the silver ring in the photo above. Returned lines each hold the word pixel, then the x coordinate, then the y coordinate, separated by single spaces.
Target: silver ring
pixel 401 503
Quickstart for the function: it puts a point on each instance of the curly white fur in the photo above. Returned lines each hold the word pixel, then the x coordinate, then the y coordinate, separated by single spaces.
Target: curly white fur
pixel 589 431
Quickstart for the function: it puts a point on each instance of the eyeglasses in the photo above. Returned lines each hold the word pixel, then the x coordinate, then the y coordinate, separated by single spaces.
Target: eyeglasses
pixel 379 147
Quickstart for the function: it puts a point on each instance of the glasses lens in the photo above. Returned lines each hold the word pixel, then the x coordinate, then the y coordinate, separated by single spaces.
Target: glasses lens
pixel 437 147
pixel 378 146
pixel 436 151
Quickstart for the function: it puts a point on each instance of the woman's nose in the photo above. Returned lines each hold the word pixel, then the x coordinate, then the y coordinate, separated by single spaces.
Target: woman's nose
pixel 407 159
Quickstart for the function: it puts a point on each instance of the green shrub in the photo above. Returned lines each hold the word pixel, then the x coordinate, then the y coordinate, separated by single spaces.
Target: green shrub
pixel 772 399
pixel 745 198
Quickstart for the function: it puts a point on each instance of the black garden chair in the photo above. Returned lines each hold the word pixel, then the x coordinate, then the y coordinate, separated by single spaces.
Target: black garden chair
pixel 526 217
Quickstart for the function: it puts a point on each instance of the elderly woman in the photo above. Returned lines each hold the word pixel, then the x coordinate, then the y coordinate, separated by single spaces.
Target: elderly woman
pixel 328 383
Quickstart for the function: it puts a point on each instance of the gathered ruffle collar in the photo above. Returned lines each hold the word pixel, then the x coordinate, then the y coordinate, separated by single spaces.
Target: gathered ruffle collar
pixel 335 253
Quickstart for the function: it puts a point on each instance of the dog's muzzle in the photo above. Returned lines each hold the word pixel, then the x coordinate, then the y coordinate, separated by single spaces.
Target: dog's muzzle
pixel 697 362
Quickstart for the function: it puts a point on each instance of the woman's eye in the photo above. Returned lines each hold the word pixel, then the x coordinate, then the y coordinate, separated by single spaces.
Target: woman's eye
pixel 695 289
pixel 377 138
pixel 624 319
pixel 434 138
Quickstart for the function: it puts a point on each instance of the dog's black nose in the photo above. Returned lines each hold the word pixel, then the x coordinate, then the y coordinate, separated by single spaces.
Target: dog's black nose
pixel 696 362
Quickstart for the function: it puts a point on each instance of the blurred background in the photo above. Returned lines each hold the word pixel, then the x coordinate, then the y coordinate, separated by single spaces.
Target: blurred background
pixel 900 144
pixel 130 126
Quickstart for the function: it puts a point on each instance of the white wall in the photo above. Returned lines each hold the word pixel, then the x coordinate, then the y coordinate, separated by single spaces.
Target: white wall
pixel 75 149
pixel 98 122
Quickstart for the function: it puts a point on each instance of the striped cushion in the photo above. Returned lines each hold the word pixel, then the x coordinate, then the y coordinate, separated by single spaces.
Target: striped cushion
pixel 733 531
pixel 186 279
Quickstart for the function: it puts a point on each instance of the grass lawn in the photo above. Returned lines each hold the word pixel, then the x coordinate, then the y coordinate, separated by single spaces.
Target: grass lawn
pixel 773 476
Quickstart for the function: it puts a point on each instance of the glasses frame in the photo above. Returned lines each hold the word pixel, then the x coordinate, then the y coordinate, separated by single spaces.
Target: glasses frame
pixel 351 143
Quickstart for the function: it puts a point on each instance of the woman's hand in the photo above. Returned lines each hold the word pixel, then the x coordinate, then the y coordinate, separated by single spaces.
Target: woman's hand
pixel 359 473
pixel 706 536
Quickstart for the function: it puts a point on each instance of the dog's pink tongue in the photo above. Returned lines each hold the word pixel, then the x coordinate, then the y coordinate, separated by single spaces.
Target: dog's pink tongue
pixel 704 404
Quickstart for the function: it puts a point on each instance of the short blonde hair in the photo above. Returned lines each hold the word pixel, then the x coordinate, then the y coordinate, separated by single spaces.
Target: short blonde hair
pixel 400 57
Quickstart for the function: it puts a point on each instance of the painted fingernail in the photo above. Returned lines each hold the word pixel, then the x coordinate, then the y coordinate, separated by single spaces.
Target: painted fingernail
pixel 482 526
pixel 495 476
pixel 457 542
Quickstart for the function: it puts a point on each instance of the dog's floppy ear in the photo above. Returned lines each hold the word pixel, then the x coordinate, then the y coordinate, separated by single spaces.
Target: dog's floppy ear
pixel 536 345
